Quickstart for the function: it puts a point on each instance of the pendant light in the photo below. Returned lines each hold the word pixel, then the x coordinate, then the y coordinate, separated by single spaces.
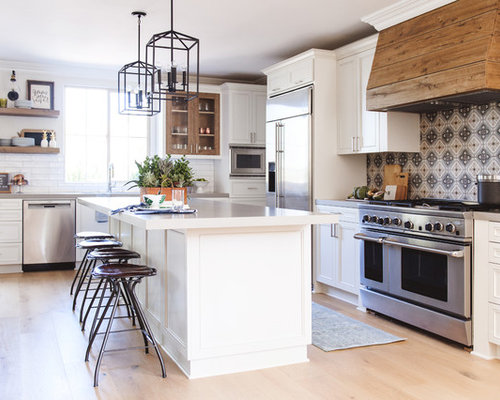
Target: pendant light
pixel 135 83
pixel 176 57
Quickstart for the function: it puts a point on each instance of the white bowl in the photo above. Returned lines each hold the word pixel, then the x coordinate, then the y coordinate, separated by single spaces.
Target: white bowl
pixel 23 141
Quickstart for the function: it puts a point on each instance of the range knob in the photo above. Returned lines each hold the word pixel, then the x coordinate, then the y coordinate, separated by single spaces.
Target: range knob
pixel 450 228
pixel 374 219
pixel 380 221
pixel 387 221
pixel 409 225
pixel 429 227
pixel 366 218
pixel 396 221
pixel 438 226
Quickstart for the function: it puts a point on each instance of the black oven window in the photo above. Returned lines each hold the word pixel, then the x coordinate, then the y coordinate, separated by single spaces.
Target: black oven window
pixel 425 273
pixel 244 161
pixel 373 261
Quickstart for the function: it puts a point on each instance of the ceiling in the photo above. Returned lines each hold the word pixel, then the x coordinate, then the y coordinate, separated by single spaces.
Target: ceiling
pixel 237 38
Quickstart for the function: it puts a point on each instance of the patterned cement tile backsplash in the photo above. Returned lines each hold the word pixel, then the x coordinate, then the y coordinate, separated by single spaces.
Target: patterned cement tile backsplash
pixel 455 146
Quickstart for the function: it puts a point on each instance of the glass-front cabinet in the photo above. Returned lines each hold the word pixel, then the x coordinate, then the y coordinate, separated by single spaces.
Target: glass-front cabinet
pixel 193 127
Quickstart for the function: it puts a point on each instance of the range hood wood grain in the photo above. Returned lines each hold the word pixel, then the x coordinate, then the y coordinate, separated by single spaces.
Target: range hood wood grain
pixel 440 56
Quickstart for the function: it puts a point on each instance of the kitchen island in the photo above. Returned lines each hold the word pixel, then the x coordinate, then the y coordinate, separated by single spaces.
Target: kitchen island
pixel 233 289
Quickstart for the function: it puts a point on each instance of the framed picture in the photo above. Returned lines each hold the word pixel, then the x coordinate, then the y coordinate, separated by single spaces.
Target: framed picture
pixel 36 134
pixel 41 94
pixel 4 182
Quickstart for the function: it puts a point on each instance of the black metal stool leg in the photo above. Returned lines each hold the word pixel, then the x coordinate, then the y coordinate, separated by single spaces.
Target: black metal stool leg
pixel 106 335
pixel 84 299
pixel 91 304
pixel 98 309
pixel 101 320
pixel 140 315
pixel 126 285
pixel 80 283
pixel 79 271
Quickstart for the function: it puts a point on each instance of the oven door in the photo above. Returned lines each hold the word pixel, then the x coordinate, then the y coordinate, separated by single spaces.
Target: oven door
pixel 432 273
pixel 374 272
pixel 248 161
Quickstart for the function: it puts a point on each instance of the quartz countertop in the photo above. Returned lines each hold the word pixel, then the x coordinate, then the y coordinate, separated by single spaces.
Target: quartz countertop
pixel 487 216
pixel 211 214
pixel 340 203
pixel 32 196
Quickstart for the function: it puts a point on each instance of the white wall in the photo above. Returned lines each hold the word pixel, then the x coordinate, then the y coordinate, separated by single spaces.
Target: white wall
pixel 45 173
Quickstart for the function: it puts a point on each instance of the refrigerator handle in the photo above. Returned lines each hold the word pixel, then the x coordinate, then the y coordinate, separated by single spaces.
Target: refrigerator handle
pixel 279 161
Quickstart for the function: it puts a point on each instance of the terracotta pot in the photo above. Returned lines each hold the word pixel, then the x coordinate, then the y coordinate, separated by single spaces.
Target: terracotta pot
pixel 167 191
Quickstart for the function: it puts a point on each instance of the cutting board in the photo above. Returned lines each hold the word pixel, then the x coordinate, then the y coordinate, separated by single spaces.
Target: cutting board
pixel 394 176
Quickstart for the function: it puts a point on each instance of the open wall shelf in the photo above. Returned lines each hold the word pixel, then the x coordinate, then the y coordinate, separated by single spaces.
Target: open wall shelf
pixel 29 149
pixel 29 112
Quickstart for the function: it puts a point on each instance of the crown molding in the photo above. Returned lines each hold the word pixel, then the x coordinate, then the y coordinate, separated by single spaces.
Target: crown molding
pixel 402 11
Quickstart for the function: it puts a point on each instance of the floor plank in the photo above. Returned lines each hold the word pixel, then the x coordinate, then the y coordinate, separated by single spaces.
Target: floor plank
pixel 42 349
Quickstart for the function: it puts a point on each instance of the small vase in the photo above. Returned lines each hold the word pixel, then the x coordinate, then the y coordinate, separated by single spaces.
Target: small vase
pixel 53 142
pixel 44 142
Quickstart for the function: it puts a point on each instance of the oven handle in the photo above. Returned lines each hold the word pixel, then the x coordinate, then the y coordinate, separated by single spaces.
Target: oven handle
pixel 362 236
pixel 452 253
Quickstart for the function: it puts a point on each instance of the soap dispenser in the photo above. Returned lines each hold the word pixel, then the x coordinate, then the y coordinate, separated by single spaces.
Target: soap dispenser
pixel 52 142
pixel 44 142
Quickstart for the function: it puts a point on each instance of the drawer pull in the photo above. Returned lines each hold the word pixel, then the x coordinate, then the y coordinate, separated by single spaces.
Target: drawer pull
pixel 275 89
pixel 252 188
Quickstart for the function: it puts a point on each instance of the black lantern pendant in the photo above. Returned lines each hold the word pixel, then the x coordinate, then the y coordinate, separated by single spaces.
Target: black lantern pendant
pixel 176 56
pixel 135 83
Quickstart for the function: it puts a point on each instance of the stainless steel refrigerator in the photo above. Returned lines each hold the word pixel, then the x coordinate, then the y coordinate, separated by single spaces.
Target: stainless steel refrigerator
pixel 288 150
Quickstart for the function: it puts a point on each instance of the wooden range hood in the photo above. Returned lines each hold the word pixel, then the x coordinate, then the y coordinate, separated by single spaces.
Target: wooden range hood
pixel 438 60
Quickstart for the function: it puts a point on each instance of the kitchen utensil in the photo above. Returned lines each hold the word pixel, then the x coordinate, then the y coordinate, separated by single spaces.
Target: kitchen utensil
pixel 390 173
pixel 394 177
pixel 488 189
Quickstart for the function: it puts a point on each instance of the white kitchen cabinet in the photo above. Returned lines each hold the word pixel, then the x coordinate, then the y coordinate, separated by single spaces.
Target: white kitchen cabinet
pixel 336 257
pixel 247 188
pixel 11 237
pixel 291 75
pixel 245 109
pixel 359 130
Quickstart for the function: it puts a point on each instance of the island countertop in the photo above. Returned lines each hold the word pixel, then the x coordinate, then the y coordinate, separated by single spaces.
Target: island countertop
pixel 210 214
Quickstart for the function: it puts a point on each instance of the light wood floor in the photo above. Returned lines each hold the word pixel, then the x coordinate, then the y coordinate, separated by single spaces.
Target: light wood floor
pixel 42 350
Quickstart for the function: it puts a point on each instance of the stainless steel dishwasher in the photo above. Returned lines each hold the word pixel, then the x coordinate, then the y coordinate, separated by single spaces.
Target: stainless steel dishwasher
pixel 48 234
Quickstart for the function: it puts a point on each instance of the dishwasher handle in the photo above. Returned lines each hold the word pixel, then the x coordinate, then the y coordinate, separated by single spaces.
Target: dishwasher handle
pixel 49 204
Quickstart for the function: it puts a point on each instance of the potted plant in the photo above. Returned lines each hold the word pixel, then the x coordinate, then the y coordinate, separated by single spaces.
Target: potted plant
pixel 158 175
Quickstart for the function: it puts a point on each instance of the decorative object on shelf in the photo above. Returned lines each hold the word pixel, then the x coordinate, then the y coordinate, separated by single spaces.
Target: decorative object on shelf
pixel 159 175
pixel 52 142
pixel 41 93
pixel 26 104
pixel 3 103
pixel 4 182
pixel 36 134
pixel 13 95
pixel 19 181
pixel 44 142
pixel 23 141
pixel 5 142
pixel 199 184
pixel 135 83
pixel 176 56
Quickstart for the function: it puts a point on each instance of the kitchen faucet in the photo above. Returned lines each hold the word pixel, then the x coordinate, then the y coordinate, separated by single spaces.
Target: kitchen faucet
pixel 111 174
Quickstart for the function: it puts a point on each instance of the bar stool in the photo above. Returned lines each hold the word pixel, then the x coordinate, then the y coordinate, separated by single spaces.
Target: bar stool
pixel 91 245
pixel 86 235
pixel 126 276
pixel 117 255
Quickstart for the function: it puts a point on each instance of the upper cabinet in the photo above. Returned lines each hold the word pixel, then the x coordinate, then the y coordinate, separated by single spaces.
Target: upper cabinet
pixel 193 127
pixel 245 112
pixel 359 130
pixel 291 76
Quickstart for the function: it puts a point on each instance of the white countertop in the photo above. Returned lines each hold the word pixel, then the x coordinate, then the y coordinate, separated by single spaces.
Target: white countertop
pixel 211 214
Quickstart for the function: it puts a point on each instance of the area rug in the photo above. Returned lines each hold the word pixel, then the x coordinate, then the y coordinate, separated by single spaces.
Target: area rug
pixel 334 331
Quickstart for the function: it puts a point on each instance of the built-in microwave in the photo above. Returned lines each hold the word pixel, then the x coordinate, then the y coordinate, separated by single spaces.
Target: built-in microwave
pixel 248 161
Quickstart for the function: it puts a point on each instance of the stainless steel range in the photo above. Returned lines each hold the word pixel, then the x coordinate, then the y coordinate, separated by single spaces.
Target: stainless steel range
pixel 416 264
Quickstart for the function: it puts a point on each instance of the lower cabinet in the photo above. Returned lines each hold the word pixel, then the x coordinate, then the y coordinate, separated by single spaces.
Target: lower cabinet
pixel 11 237
pixel 336 253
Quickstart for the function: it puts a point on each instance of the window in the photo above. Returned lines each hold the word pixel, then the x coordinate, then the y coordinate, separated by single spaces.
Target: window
pixel 97 135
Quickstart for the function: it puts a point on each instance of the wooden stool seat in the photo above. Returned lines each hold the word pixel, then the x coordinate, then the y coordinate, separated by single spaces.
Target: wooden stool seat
pixel 93 235
pixel 98 244
pixel 122 271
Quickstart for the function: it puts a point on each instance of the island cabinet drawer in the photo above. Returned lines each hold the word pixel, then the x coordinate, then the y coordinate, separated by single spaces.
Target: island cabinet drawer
pixel 10 253
pixel 346 214
pixel 11 215
pixel 248 188
pixel 11 232
pixel 11 204
pixel 494 232
pixel 494 253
